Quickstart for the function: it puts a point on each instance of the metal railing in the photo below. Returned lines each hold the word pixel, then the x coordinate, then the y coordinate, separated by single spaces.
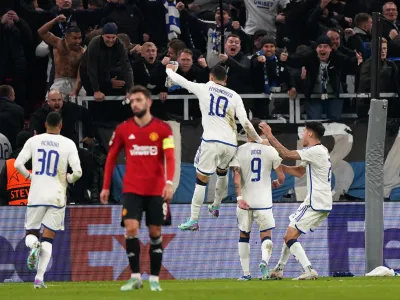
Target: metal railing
pixel 295 115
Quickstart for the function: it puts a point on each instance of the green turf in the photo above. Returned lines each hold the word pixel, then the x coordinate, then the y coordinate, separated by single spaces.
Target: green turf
pixel 321 289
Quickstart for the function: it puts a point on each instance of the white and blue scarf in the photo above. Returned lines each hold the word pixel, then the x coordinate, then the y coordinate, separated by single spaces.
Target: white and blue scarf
pixel 267 83
pixel 172 19
pixel 324 82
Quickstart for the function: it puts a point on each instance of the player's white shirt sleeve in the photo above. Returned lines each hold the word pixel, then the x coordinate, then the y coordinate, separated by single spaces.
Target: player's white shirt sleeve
pixel 23 157
pixel 234 162
pixel 318 166
pixel 244 121
pixel 75 164
pixel 275 158
pixel 194 88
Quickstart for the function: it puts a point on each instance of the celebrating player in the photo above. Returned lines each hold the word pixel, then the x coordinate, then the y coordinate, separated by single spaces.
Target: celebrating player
pixel 218 106
pixel 252 167
pixel 51 154
pixel 318 203
pixel 147 142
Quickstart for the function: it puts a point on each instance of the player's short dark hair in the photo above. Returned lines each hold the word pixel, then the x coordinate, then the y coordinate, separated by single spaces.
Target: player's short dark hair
pixel 256 123
pixel 361 18
pixel 218 72
pixel 316 127
pixel 5 91
pixel 140 89
pixel 53 119
pixel 73 29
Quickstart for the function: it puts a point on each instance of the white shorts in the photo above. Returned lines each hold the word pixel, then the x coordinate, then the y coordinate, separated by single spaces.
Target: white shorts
pixel 264 219
pixel 212 155
pixel 65 85
pixel 50 217
pixel 306 219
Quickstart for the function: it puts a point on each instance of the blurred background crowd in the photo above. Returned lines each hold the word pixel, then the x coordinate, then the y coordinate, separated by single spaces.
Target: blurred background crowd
pixel 54 50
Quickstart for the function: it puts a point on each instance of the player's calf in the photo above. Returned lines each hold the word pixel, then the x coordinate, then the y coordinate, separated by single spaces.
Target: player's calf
pixel 32 242
pixel 46 249
pixel 266 252
pixel 244 252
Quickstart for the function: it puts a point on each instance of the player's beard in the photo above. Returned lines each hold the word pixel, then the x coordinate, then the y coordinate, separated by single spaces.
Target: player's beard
pixel 140 114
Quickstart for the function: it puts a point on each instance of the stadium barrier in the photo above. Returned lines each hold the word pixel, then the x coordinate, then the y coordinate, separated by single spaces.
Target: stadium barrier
pixel 92 247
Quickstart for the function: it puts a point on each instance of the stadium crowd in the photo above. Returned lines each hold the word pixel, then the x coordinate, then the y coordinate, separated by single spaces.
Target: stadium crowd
pixel 54 50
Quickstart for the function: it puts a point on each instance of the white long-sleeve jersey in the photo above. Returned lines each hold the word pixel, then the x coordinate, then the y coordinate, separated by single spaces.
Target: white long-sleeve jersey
pixel 219 106
pixel 51 154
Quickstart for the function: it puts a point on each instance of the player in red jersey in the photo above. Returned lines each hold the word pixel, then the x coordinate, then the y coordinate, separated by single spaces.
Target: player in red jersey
pixel 148 144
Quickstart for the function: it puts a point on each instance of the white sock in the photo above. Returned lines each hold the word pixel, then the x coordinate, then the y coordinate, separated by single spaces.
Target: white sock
pixel 285 254
pixel 44 259
pixel 153 278
pixel 266 250
pixel 244 254
pixel 297 250
pixel 31 241
pixel 136 276
pixel 220 188
pixel 197 201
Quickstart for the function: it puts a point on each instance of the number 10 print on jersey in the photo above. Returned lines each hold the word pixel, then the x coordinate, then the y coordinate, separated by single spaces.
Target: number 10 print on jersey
pixel 49 162
pixel 220 103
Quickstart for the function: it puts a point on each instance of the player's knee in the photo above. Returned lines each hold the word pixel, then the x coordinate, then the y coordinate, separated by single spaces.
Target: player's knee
pixel 201 182
pixel 156 243
pixel 221 172
pixel 47 239
pixel 244 237
pixel 33 232
pixel 289 243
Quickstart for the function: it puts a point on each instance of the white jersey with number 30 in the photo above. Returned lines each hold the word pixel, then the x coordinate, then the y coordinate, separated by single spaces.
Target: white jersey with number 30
pixel 219 106
pixel 256 162
pixel 318 166
pixel 51 154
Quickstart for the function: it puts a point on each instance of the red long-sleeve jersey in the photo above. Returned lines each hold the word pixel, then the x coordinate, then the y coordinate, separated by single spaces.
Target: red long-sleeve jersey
pixel 147 148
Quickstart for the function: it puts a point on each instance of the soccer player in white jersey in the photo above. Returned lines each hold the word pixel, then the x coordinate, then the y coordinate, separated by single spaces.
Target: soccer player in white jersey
pixel 252 167
pixel 219 106
pixel 318 202
pixel 51 154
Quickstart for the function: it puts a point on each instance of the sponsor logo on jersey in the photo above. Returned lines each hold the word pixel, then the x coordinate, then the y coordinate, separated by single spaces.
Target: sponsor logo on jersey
pixel 143 150
pixel 153 136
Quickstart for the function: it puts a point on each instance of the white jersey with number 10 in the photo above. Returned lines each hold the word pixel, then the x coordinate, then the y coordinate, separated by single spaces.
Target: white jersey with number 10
pixel 219 106
pixel 51 154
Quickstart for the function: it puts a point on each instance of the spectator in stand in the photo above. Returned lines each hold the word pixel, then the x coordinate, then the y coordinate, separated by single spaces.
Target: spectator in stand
pixel 212 32
pixel 321 19
pixel 264 15
pixel 14 187
pixel 390 29
pixel 71 114
pixel 359 38
pixel 5 150
pixel 270 75
pixel 174 49
pixel 16 53
pixel 388 83
pixel 105 68
pixel 257 38
pixel 67 55
pixel 237 65
pixel 324 69
pixel 11 114
pixel 334 35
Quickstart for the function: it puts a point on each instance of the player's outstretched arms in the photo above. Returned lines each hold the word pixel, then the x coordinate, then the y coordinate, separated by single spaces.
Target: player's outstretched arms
pixel 245 122
pixel 282 150
pixel 182 81
pixel 297 171
pixel 281 177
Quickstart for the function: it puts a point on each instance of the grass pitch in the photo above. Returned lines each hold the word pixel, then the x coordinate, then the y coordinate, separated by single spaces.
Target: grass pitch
pixel 321 289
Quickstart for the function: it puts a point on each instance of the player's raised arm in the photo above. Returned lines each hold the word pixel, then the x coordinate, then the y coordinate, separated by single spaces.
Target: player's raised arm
pixel 248 127
pixel 23 157
pixel 75 164
pixel 115 145
pixel 182 81
pixel 297 171
pixel 169 154
pixel 282 150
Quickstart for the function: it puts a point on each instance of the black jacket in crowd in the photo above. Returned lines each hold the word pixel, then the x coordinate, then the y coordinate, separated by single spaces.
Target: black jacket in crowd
pixel 71 114
pixel 361 42
pixel 11 120
pixel 238 70
pixel 339 65
pixel 282 77
pixel 145 73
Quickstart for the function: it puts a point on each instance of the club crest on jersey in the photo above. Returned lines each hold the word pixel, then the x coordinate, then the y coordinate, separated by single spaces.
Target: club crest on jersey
pixel 153 136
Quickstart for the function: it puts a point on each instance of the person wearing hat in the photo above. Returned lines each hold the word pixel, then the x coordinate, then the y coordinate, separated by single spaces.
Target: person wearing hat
pixel 325 69
pixel 105 68
pixel 213 31
pixel 270 75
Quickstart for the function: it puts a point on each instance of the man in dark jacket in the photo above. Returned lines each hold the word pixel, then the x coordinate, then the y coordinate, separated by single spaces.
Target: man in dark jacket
pixel 11 114
pixel 13 189
pixel 105 68
pixel 359 38
pixel 325 69
pixel 71 114
pixel 16 52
